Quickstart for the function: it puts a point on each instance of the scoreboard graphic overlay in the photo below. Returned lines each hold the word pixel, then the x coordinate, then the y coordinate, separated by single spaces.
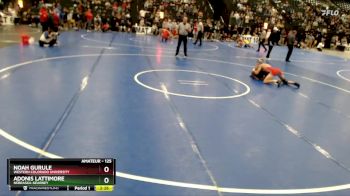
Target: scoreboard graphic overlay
pixel 87 174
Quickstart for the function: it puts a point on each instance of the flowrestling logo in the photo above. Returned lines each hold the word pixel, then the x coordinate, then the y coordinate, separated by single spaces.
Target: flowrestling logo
pixel 330 12
pixel 327 12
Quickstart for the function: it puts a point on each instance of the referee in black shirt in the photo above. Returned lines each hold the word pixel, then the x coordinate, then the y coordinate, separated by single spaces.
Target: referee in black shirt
pixel 290 43
pixel 273 40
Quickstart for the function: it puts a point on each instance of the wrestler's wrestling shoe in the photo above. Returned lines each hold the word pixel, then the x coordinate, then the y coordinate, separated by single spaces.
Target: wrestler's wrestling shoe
pixel 279 83
pixel 297 85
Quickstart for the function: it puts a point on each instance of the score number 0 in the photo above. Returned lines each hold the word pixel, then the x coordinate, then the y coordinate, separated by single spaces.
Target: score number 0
pixel 106 170
pixel 106 179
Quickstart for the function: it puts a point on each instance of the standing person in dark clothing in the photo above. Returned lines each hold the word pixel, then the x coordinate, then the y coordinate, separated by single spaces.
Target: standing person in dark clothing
pixel 184 29
pixel 77 18
pixel 200 29
pixel 262 38
pixel 290 43
pixel 113 23
pixel 273 40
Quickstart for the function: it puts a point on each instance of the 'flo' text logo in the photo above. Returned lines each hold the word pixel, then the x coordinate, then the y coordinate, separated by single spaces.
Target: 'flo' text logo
pixel 330 12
